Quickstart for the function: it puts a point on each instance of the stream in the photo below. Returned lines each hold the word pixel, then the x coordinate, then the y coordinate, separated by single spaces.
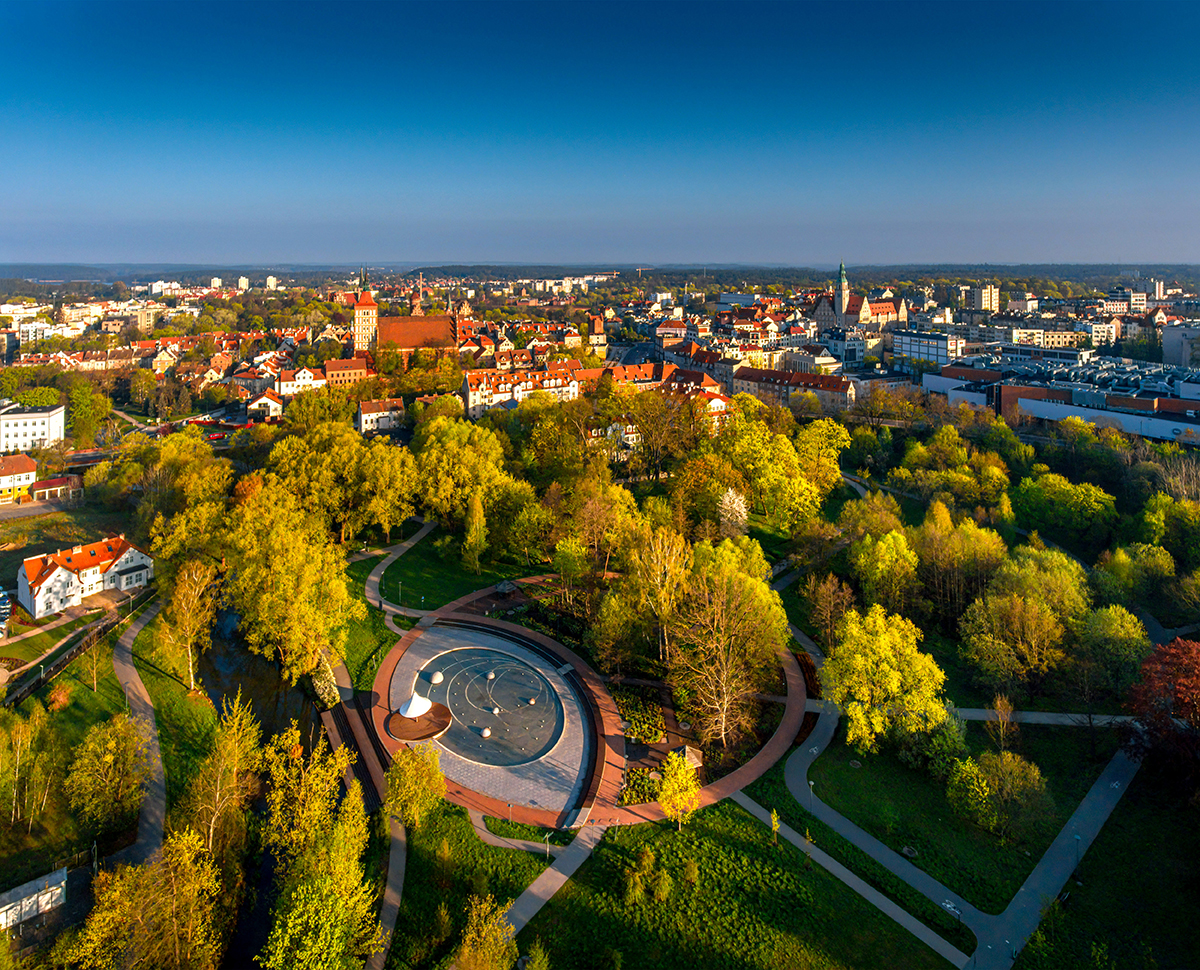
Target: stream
pixel 224 668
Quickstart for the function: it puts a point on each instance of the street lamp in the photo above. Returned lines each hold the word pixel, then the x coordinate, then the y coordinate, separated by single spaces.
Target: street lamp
pixel 810 797
pixel 400 593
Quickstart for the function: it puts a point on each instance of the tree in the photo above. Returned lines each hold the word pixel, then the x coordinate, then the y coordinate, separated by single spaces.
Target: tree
pixel 415 784
pixel 728 625
pixel 1012 639
pixel 732 514
pixel 302 794
pixel 191 612
pixel 1165 703
pixel 539 959
pixel 969 794
pixel 1080 513
pixel 659 562
pixel 95 653
pixel 488 940
pixel 679 791
pixel 161 914
pixel 1003 730
pixel 475 541
pixel 308 930
pixel 1115 641
pixel 286 580
pixel 829 599
pixel 887 568
pixel 1019 798
pixel 109 771
pixel 1049 575
pixel 880 680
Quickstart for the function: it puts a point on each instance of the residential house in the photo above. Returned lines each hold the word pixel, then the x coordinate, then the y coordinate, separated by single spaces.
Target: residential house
pixel 381 415
pixel 267 404
pixel 17 473
pixel 342 373
pixel 51 583
pixel 293 382
pixel 67 487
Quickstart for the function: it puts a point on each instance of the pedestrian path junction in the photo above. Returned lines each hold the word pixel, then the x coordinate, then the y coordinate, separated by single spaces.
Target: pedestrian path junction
pixel 536 738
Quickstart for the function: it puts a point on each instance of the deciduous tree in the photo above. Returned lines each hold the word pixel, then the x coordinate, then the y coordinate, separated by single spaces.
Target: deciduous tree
pixel 109 770
pixel 415 784
pixel 679 792
pixel 880 680
pixel 190 616
pixel 728 625
pixel 488 940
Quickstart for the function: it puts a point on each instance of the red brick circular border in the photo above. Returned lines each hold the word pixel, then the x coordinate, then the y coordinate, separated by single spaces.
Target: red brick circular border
pixel 606 773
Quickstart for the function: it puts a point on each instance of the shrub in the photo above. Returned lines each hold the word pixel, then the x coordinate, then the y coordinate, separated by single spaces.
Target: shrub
pixel 934 751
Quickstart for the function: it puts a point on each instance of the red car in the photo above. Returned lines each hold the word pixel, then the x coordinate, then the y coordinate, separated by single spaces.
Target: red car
pixel 216 437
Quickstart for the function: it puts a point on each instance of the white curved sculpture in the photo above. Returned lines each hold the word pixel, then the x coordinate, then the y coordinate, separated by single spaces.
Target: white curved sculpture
pixel 415 706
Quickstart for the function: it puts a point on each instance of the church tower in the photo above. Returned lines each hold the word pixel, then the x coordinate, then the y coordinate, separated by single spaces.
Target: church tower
pixel 366 321
pixel 841 297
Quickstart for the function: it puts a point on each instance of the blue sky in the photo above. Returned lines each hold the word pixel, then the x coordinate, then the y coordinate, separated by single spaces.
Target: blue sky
pixel 572 132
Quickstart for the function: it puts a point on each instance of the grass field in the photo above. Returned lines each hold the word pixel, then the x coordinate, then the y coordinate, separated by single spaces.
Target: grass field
pixel 186 723
pixel 34 647
pixel 530 833
pixel 904 807
pixel 1140 880
pixel 368 640
pixel 771 791
pixel 427 581
pixel 754 905
pixel 40 534
pixel 421 940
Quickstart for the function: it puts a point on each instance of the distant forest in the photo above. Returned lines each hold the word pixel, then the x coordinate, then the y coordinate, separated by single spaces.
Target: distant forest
pixel 1054 280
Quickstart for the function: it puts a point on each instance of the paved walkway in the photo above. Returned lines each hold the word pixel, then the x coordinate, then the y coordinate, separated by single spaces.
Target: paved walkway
pixel 371 589
pixel 154 805
pixel 868 892
pixel 527 905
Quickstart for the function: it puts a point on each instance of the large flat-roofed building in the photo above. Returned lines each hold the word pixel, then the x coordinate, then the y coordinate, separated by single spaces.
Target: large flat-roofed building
pixel 914 345
pixel 24 428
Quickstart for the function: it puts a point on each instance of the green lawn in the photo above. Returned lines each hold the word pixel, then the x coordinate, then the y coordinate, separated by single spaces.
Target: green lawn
pixel 40 534
pixel 774 541
pixel 754 905
pixel 530 833
pixel 1140 880
pixel 421 579
pixel 368 640
pixel 186 723
pixel 473 868
pixel 771 791
pixel 34 647
pixel 903 807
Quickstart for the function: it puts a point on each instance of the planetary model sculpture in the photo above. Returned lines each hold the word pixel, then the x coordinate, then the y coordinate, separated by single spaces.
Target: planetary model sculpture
pixel 419 719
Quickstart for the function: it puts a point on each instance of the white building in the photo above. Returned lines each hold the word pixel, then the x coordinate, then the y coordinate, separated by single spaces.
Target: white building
pixel 1101 333
pixel 986 297
pixel 52 583
pixel 382 415
pixel 1026 304
pixel 937 348
pixel 214 283
pixel 24 428
pixel 272 283
pixel 243 282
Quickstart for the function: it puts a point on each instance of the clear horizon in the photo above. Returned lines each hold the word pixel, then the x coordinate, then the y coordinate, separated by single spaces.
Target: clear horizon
pixel 571 134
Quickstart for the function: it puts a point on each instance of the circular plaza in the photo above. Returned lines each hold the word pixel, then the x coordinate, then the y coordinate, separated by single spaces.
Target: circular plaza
pixel 519 730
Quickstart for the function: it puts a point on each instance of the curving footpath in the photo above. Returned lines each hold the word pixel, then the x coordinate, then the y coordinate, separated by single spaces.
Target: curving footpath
pixel 999 937
pixel 153 812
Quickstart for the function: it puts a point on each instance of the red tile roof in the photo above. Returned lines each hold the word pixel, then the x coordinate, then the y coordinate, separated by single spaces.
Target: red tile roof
pixel 102 554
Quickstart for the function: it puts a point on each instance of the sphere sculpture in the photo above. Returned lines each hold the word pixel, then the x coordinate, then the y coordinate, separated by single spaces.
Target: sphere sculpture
pixel 491 675
pixel 436 677
pixel 532 701
pixel 487 732
pixel 495 710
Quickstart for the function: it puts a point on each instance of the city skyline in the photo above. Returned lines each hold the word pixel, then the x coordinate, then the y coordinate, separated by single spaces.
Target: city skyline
pixel 572 134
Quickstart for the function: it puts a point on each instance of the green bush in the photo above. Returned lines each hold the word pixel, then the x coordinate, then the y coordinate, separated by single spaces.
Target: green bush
pixel 640 707
pixel 639 788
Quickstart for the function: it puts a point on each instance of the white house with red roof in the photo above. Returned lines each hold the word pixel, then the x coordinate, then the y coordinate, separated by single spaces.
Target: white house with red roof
pixel 51 583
